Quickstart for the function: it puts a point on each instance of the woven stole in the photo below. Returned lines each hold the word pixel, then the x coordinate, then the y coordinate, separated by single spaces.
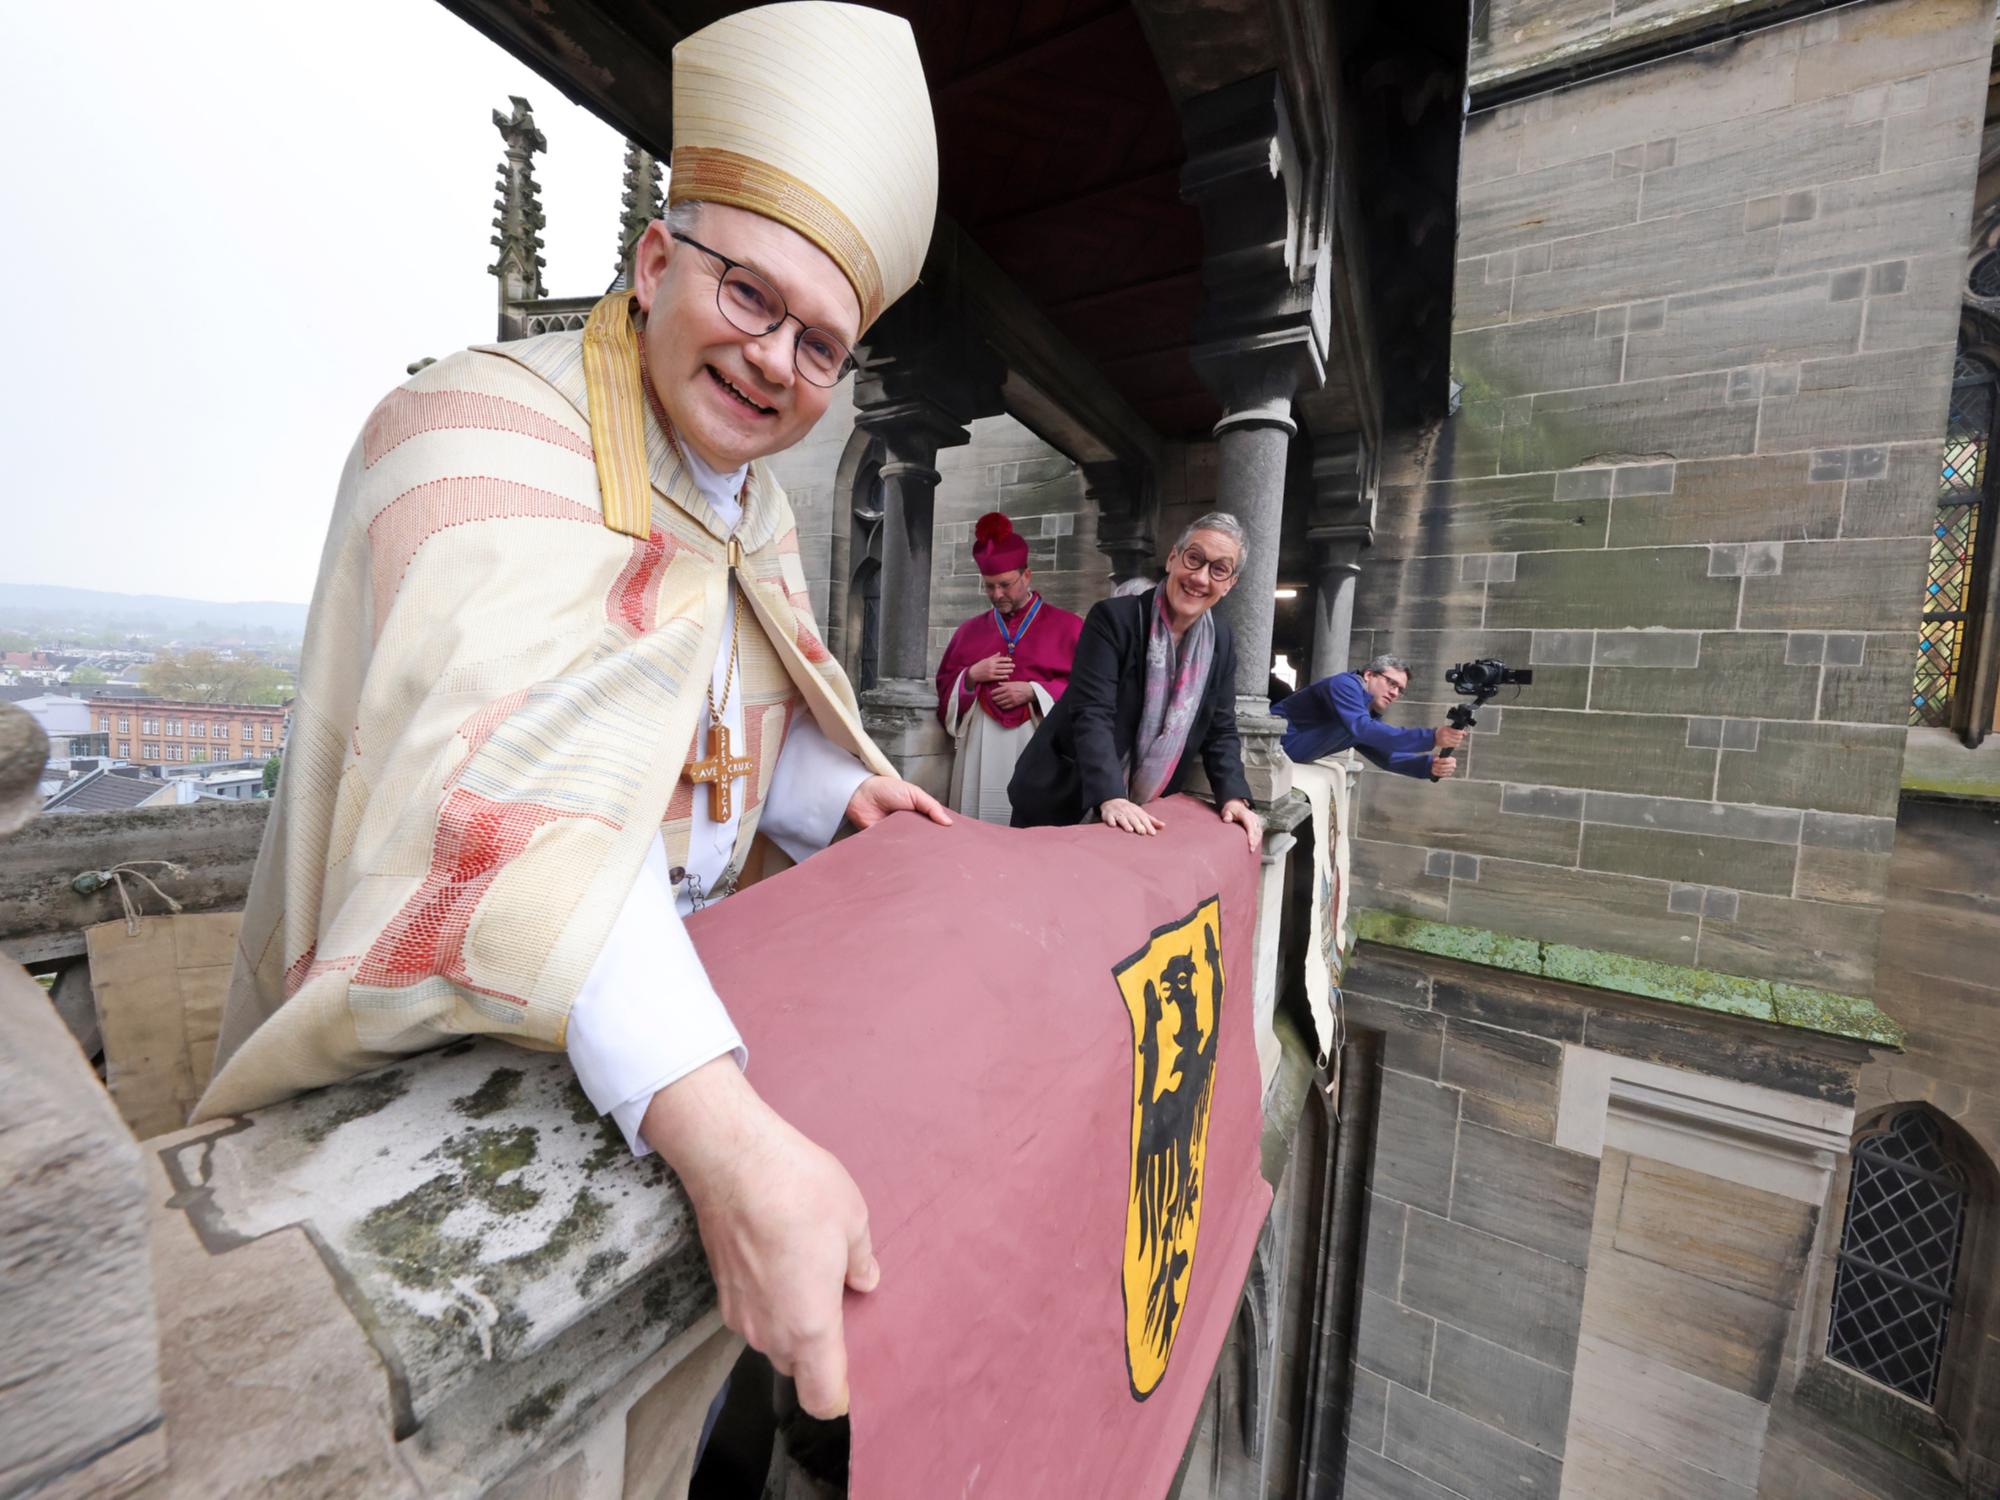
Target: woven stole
pixel 618 418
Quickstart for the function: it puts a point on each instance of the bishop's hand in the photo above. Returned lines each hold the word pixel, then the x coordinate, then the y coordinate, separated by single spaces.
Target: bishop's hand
pixel 879 796
pixel 784 1226
pixel 995 668
pixel 1012 694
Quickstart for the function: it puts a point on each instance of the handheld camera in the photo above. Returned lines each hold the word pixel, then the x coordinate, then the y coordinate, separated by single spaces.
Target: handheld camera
pixel 1479 681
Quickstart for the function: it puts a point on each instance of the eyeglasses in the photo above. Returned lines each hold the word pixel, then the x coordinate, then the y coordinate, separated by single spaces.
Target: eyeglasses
pixel 753 305
pixel 1221 569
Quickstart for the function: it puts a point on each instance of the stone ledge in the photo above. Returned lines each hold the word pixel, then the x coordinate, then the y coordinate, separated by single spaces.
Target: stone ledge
pixel 1849 1016
pixel 509 1259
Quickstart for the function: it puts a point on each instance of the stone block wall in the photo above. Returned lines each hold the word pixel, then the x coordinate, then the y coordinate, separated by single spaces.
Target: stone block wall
pixel 1589 1234
pixel 1706 315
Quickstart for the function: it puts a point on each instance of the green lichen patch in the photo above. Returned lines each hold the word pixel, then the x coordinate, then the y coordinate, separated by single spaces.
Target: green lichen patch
pixel 581 1223
pixel 356 1100
pixel 1839 1015
pixel 1472 944
pixel 486 1156
pixel 581 1110
pixel 492 1096
pixel 1851 1016
pixel 597 1269
pixel 408 1236
pixel 530 1412
pixel 1726 993
pixel 610 1149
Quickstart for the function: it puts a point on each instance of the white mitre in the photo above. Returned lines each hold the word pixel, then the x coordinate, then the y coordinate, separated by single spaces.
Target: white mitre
pixel 816 115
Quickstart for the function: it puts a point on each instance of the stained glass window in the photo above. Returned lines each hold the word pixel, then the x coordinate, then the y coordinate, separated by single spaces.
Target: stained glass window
pixel 1898 1256
pixel 1948 582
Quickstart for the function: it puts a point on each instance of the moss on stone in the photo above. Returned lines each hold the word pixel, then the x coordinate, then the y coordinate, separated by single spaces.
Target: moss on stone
pixel 356 1100
pixel 492 1096
pixel 580 1224
pixel 1472 944
pixel 488 1155
pixel 1851 1016
pixel 1676 983
pixel 1839 1015
pixel 408 1236
pixel 530 1412
pixel 597 1269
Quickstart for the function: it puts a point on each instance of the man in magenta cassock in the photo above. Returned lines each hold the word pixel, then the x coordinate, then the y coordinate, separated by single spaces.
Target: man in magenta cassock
pixel 1002 673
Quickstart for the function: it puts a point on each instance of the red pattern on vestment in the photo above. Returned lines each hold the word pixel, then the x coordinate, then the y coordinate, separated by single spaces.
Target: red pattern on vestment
pixel 404 414
pixel 479 726
pixel 635 598
pixel 418 514
pixel 306 968
pixel 476 838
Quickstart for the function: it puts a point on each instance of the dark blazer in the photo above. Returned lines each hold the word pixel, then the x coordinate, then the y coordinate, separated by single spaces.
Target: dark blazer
pixel 1075 762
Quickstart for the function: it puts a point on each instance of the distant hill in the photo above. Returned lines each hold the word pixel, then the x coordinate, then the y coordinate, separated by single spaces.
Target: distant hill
pixel 26 606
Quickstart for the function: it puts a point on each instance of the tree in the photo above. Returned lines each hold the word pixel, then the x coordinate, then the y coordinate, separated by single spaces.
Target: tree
pixel 271 769
pixel 14 640
pixel 203 677
pixel 89 675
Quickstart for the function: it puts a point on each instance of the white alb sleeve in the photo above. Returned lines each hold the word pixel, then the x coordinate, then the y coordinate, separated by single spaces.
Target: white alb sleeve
pixel 646 1015
pixel 810 789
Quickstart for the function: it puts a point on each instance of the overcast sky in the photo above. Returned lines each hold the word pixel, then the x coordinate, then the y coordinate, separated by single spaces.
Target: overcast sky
pixel 228 226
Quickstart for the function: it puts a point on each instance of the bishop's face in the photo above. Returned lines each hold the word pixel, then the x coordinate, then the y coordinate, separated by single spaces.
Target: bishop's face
pixel 1008 592
pixel 732 396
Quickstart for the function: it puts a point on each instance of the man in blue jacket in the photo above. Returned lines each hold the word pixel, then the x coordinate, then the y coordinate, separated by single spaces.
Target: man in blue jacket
pixel 1337 713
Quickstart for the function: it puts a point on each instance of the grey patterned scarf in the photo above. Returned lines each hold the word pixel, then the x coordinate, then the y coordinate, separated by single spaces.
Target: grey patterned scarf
pixel 1174 685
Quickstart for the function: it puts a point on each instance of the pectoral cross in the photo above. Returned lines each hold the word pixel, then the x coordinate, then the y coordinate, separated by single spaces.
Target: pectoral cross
pixel 719 770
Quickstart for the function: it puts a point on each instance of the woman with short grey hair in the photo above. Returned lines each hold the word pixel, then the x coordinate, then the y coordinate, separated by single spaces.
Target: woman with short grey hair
pixel 1152 688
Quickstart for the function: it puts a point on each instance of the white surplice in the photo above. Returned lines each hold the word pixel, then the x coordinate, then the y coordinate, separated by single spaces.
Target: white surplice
pixel 986 752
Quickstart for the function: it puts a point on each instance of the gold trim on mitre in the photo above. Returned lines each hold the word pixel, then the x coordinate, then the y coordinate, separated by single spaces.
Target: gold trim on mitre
pixel 816 115
pixel 617 403
pixel 708 174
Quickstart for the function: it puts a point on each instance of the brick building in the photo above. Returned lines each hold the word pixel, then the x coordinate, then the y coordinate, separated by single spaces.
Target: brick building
pixel 165 732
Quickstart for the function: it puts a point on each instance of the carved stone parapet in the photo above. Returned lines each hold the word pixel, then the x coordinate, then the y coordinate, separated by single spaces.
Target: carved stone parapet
pixel 444 1277
pixel 1265 764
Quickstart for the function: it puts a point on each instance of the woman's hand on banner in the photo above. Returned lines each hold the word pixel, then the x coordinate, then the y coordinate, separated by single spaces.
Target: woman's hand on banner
pixel 1239 812
pixel 1121 812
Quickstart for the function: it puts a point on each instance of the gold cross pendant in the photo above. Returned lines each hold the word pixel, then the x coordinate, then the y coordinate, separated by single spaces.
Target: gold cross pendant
pixel 719 770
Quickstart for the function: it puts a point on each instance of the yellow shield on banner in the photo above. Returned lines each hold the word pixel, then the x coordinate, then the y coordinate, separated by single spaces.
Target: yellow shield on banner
pixel 1173 993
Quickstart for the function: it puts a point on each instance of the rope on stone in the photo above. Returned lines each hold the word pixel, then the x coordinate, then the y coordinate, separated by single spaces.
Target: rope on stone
pixel 90 882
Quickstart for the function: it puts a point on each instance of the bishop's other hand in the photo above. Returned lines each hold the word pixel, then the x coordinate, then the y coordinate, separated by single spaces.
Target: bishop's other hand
pixel 783 1224
pixel 879 796
pixel 1012 694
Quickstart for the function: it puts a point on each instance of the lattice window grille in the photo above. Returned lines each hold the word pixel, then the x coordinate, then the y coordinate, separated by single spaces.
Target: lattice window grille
pixel 1955 546
pixel 1898 1256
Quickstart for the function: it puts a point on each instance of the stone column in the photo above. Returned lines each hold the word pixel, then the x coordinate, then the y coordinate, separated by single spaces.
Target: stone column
pixel 1260 339
pixel 1340 524
pixel 911 433
pixel 1126 519
pixel 924 378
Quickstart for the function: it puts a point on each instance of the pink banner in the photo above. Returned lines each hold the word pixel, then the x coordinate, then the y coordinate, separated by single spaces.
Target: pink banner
pixel 1034 1050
